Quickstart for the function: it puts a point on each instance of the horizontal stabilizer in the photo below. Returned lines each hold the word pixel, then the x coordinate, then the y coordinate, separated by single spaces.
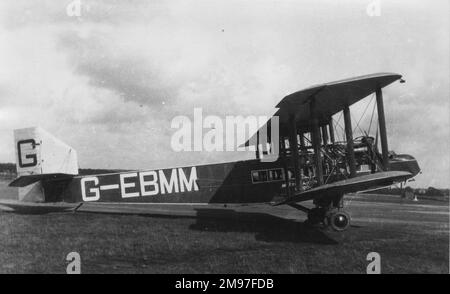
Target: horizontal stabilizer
pixel 23 181
pixel 349 186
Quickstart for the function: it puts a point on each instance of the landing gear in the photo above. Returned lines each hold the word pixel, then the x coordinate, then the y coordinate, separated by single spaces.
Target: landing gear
pixel 338 220
pixel 327 213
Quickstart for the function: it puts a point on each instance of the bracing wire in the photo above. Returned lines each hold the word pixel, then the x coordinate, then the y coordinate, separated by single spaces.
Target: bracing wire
pixel 371 118
pixel 367 106
pixel 357 126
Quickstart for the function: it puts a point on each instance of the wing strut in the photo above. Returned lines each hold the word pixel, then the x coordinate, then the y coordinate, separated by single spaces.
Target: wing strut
pixel 382 123
pixel 331 129
pixel 349 138
pixel 294 149
pixel 316 142
pixel 325 135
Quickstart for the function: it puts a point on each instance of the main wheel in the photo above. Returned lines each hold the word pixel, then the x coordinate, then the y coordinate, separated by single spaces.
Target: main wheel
pixel 339 220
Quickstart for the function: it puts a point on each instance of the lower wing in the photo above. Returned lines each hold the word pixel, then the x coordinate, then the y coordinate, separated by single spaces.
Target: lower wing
pixel 349 185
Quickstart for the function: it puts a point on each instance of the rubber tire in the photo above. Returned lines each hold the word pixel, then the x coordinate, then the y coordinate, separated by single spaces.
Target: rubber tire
pixel 337 217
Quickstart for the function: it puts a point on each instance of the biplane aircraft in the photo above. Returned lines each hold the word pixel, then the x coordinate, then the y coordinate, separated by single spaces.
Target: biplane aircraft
pixel 311 165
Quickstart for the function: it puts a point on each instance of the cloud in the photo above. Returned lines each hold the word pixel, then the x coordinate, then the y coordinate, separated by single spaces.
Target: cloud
pixel 110 81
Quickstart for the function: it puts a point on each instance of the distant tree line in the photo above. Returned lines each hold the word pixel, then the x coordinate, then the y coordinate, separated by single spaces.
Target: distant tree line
pixel 430 191
pixel 8 170
pixel 8 167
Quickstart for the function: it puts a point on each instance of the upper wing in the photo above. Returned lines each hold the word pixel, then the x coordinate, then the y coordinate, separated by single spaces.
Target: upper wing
pixel 350 185
pixel 330 98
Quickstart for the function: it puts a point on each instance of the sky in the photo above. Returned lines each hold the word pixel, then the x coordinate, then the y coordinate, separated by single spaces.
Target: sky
pixel 109 81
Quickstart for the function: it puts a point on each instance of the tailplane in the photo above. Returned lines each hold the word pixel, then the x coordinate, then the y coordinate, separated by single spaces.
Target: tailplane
pixel 40 157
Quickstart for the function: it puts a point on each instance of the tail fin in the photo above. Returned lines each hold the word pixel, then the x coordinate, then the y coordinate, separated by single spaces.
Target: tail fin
pixel 40 156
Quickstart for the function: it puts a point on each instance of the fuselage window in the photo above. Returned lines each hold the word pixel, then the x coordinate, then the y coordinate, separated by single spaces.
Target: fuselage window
pixel 275 174
pixel 271 175
pixel 262 175
pixel 255 177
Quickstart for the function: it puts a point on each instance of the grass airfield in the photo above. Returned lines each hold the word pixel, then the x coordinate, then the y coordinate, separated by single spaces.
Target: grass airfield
pixel 411 237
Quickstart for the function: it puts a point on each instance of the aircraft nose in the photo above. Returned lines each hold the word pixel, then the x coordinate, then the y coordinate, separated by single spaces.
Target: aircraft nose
pixel 414 166
pixel 405 162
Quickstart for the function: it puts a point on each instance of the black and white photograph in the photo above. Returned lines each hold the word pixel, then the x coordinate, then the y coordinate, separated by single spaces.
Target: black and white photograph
pixel 235 140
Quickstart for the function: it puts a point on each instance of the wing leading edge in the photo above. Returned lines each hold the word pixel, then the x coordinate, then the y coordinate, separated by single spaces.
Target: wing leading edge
pixel 349 185
pixel 330 98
